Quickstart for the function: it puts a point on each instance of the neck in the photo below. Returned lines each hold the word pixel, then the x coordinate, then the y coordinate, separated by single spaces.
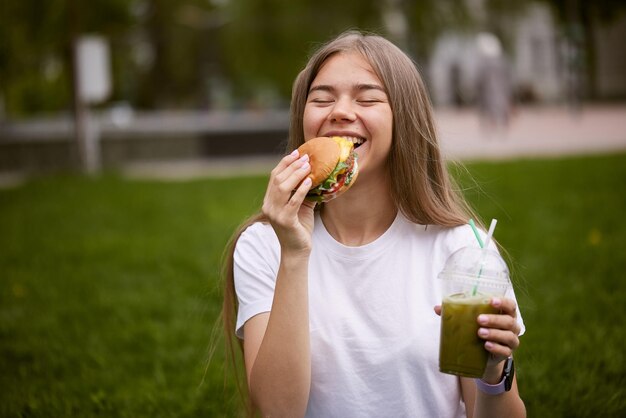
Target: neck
pixel 360 216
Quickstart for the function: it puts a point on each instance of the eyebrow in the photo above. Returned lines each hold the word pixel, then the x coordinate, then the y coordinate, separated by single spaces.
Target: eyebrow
pixel 359 87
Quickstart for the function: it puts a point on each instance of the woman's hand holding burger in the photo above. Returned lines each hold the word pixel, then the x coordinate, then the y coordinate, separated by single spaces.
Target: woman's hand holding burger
pixel 284 203
pixel 318 171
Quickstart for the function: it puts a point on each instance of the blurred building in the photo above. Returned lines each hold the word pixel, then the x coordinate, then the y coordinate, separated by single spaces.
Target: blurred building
pixel 545 67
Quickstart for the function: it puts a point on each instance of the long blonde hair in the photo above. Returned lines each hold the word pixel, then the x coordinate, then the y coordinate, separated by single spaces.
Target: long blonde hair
pixel 421 187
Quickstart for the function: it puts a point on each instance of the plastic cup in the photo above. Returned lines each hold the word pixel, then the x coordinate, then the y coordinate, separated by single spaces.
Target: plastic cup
pixel 471 277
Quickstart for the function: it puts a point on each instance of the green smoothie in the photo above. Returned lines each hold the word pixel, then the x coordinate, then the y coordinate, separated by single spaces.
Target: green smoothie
pixel 461 351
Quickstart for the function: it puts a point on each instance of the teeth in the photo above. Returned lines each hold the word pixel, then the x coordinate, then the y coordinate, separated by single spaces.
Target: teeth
pixel 354 140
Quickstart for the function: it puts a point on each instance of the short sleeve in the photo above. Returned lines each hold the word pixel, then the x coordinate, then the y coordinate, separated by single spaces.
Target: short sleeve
pixel 255 267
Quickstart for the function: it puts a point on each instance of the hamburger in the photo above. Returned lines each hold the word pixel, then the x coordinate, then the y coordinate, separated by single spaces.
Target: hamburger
pixel 334 166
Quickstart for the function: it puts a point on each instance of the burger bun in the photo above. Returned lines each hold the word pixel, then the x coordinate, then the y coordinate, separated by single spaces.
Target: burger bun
pixel 324 154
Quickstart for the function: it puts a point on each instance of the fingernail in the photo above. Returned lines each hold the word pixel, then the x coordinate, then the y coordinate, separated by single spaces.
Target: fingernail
pixel 488 345
pixel 483 332
pixel 305 165
pixel 305 157
pixel 294 152
pixel 307 181
pixel 496 302
pixel 483 319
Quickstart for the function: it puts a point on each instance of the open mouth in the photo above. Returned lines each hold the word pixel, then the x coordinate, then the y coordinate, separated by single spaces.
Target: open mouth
pixel 356 141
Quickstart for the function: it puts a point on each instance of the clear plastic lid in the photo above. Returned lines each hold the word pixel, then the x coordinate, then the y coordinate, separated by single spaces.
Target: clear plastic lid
pixel 474 266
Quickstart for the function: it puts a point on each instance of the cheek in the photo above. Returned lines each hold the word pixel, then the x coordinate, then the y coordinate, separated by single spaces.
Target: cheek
pixel 387 119
pixel 387 126
pixel 381 124
pixel 311 122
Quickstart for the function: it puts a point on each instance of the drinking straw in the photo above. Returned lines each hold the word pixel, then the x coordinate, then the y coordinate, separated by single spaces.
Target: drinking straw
pixel 483 245
pixel 480 241
pixel 492 227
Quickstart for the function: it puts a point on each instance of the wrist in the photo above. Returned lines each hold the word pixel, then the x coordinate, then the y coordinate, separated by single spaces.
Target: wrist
pixel 294 257
pixel 295 254
pixel 503 385
pixel 493 373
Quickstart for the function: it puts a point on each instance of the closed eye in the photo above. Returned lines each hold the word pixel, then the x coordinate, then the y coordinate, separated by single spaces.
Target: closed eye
pixel 321 101
pixel 370 101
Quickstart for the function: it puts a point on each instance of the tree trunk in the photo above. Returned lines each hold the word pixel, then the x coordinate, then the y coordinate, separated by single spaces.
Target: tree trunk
pixel 588 20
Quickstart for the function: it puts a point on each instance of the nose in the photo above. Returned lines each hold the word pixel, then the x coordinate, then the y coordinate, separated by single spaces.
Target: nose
pixel 342 110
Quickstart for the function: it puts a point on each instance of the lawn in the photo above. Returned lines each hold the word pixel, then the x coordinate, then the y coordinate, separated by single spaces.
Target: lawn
pixel 109 288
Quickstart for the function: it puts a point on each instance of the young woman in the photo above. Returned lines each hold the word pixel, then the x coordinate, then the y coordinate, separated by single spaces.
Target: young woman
pixel 337 305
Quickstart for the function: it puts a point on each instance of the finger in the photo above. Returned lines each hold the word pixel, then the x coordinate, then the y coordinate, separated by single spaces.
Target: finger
pixel 506 306
pixel 286 160
pixel 287 180
pixel 297 199
pixel 438 309
pixel 293 166
pixel 282 183
pixel 309 203
pixel 499 321
pixel 284 212
pixel 498 350
pixel 504 338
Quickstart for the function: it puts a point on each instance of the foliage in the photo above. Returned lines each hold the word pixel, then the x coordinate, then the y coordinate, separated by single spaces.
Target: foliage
pixel 188 53
pixel 579 22
pixel 203 53
pixel 604 10
pixel 428 19
pixel 109 289
pixel 35 36
pixel 267 41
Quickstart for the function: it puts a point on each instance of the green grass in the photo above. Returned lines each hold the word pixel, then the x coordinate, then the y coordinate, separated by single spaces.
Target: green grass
pixel 562 222
pixel 109 289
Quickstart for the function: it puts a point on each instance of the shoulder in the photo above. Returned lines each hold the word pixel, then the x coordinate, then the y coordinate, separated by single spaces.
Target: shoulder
pixel 258 237
pixel 257 230
pixel 256 255
pixel 457 237
pixel 444 238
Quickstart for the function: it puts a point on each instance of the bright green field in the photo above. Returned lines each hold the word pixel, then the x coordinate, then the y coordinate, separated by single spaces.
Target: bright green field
pixel 109 289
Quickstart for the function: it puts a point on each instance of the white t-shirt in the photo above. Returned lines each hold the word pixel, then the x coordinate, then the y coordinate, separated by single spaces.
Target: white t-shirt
pixel 374 334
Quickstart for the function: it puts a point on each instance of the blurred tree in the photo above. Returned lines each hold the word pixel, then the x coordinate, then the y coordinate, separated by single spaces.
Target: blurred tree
pixel 180 42
pixel 579 20
pixel 266 42
pixel 427 19
pixel 30 56
pixel 34 48
pixel 196 53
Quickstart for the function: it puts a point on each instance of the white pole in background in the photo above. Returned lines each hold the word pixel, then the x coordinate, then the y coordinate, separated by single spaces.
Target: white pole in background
pixel 93 85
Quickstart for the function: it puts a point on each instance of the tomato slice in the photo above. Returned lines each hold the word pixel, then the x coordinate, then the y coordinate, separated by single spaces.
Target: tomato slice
pixel 341 179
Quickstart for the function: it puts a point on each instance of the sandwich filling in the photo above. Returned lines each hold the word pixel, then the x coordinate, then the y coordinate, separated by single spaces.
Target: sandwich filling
pixel 341 176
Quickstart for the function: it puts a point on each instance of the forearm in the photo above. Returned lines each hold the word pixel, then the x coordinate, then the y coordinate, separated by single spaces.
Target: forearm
pixel 281 375
pixel 508 404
